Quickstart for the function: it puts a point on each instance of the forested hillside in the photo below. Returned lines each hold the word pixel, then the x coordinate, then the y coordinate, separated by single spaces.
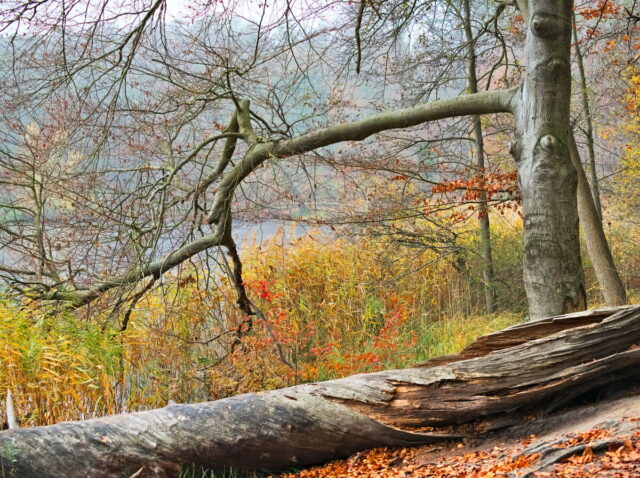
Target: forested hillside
pixel 206 199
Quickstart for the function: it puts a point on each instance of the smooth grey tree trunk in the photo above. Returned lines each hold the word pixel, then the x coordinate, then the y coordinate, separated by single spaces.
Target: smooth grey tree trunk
pixel 491 384
pixel 553 274
pixel 483 210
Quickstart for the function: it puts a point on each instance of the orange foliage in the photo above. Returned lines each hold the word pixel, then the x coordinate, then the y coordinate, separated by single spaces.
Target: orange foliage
pixel 452 461
pixel 603 9
pixel 586 437
pixel 404 462
pixel 330 308
pixel 500 189
pixel 336 307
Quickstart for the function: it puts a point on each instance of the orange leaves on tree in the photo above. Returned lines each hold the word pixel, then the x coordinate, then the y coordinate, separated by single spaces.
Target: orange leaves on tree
pixel 603 9
pixel 610 45
pixel 492 184
pixel 499 189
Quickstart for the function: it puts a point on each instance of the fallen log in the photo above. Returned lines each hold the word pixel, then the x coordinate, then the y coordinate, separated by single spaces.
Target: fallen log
pixel 492 383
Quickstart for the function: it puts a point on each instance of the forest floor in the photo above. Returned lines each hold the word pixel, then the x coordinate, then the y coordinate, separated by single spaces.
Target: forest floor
pixel 599 438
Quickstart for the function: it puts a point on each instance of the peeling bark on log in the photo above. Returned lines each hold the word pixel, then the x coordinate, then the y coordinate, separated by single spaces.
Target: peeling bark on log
pixel 502 375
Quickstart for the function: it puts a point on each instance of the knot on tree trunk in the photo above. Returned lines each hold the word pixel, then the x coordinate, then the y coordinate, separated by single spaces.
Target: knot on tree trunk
pixel 545 25
pixel 549 143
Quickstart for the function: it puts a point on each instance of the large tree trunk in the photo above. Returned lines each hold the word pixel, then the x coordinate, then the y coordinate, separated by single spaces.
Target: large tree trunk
pixel 488 386
pixel 553 275
pixel 483 210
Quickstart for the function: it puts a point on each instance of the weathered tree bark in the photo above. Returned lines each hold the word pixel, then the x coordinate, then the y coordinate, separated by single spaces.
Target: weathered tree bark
pixel 483 210
pixel 542 363
pixel 553 275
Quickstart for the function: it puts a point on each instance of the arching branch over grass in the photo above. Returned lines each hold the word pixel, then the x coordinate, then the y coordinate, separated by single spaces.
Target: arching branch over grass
pixel 500 101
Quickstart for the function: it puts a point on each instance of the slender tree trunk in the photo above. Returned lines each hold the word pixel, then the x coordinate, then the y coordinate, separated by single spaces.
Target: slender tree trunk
pixel 595 189
pixel 604 266
pixel 589 207
pixel 553 274
pixel 485 227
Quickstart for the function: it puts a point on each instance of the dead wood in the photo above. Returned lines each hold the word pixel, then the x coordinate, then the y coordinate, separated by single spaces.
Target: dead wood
pixel 499 377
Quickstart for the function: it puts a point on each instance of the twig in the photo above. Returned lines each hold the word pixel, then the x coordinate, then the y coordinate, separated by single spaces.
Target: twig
pixel 358 40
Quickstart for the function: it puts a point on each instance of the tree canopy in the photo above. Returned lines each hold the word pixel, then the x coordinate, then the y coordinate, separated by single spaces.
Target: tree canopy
pixel 137 134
